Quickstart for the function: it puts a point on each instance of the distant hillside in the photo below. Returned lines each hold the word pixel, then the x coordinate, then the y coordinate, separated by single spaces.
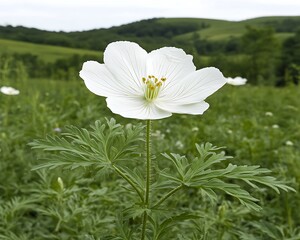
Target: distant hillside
pixel 153 33
pixel 45 52
pixel 264 50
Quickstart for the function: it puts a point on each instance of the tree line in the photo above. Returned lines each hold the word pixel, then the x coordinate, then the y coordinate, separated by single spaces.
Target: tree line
pixel 257 55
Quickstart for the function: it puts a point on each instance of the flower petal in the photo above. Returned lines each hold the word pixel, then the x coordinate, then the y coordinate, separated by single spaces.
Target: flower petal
pixel 194 88
pixel 100 81
pixel 136 107
pixel 127 63
pixel 169 62
pixel 193 108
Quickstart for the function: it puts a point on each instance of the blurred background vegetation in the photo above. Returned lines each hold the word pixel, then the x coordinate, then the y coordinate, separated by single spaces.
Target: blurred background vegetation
pixel 264 50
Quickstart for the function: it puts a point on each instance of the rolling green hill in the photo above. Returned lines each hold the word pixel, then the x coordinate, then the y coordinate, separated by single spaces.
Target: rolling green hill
pixel 45 52
pixel 258 49
pixel 153 33
pixel 222 30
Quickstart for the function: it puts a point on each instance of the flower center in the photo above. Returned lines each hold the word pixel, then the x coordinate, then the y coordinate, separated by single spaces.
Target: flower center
pixel 153 85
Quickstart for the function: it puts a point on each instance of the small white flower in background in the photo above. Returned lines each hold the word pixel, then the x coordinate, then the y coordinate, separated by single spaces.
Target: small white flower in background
pixel 9 91
pixel 237 81
pixel 229 131
pixel 275 126
pixel 179 144
pixel 57 129
pixel 269 114
pixel 289 143
pixel 158 135
pixel 195 129
pixel 168 130
pixel 152 85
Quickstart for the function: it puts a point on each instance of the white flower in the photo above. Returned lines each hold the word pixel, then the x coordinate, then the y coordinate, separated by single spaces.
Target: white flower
pixel 229 131
pixel 237 81
pixel 152 85
pixel 9 91
pixel 289 143
pixel 195 129
pixel 269 114
pixel 275 126
pixel 57 129
pixel 158 135
pixel 179 144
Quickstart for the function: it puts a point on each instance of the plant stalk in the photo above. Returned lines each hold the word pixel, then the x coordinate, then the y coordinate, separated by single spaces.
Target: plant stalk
pixel 148 176
pixel 125 177
pixel 167 195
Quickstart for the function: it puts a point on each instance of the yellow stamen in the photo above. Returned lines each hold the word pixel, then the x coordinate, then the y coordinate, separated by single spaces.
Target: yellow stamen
pixel 153 85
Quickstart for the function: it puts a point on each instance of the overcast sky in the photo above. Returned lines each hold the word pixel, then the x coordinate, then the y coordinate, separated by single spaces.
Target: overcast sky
pixel 72 15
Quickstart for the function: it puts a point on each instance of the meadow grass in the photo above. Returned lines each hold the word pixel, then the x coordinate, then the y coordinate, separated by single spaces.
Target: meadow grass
pixel 218 30
pixel 258 126
pixel 44 52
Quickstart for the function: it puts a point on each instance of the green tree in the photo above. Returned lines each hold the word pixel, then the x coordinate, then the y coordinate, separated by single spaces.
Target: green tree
pixel 261 48
pixel 290 60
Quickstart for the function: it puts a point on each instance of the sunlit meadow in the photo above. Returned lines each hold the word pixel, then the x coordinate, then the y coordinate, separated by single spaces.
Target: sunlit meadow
pixel 56 197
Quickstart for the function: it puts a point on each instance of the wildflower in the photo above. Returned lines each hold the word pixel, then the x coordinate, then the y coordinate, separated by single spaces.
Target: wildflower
pixel 158 135
pixel 269 114
pixel 57 129
pixel 179 144
pixel 9 91
pixel 275 126
pixel 289 143
pixel 237 81
pixel 152 85
pixel 195 129
pixel 229 131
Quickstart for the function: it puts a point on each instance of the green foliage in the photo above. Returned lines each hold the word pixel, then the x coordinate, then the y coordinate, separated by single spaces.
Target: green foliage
pixel 101 148
pixel 93 203
pixel 22 66
pixel 290 60
pixel 43 52
pixel 260 45
pixel 154 28
pixel 199 174
pixel 108 146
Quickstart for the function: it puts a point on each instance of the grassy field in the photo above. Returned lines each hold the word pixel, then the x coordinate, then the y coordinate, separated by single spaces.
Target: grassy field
pixel 43 196
pixel 45 52
pixel 223 30
pixel 258 126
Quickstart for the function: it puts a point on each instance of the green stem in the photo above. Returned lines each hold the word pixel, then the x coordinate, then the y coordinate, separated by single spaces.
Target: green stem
pixel 145 218
pixel 148 175
pixel 123 175
pixel 167 195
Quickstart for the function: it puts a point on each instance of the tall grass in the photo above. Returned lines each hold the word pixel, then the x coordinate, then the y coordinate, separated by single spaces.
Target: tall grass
pixel 256 124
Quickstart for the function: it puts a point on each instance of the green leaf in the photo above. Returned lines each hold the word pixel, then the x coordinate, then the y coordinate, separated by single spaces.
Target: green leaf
pixel 105 144
pixel 198 173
